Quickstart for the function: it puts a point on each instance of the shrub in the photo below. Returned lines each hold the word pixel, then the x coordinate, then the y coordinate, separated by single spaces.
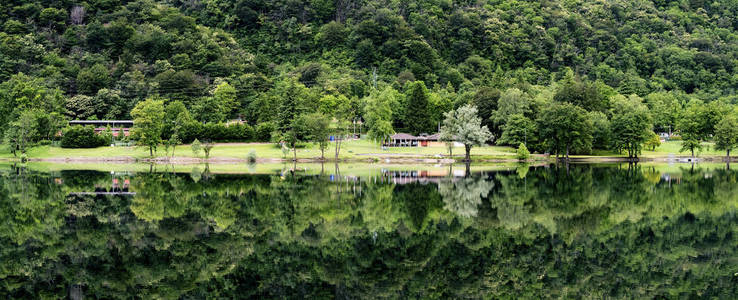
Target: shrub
pixel 196 147
pixel 252 156
pixel 83 137
pixel 522 153
pixel 216 132
pixel 263 132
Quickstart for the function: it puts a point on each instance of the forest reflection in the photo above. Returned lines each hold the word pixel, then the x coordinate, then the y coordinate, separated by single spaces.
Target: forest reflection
pixel 587 231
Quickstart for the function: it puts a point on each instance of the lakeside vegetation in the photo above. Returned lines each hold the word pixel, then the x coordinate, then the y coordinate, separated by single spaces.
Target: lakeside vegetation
pixel 566 78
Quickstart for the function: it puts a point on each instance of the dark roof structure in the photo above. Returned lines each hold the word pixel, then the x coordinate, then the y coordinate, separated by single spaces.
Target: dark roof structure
pixel 404 136
pixel 101 122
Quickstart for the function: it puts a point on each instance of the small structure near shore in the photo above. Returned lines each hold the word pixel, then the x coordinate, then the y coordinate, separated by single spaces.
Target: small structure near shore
pixel 408 140
pixel 101 125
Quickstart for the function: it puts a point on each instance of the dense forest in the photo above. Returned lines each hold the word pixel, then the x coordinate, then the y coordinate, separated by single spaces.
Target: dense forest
pixel 398 66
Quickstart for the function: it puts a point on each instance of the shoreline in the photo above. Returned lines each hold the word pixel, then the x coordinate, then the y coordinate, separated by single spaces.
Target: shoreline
pixel 395 159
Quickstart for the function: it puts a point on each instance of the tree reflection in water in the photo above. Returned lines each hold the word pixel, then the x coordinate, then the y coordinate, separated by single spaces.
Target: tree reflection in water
pixel 582 231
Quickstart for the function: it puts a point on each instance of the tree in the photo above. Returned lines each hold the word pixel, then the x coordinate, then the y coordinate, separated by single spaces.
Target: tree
pixel 512 102
pixel 486 100
pixel 147 123
pixel 20 132
pixel 466 126
pixel 318 128
pixel 726 134
pixel 291 129
pixel 207 147
pixel 565 128
pixel 630 125
pixel 417 116
pixel 378 112
pixel 22 92
pixel 224 97
pixel 665 109
pixel 522 152
pixel 601 132
pixel 691 126
pixel 518 129
pixel 92 79
pixel 586 95
pixel 82 107
pixel 196 147
pixel 653 141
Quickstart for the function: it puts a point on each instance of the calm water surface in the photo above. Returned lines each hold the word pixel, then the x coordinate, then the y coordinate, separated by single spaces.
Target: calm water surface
pixel 586 231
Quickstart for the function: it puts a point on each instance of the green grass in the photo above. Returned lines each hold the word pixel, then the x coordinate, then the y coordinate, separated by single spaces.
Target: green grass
pixel 351 149
pixel 666 149
pixel 358 149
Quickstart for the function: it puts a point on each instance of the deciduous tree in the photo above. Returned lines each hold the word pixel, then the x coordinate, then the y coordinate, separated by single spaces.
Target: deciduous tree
pixel 565 128
pixel 147 123
pixel 466 127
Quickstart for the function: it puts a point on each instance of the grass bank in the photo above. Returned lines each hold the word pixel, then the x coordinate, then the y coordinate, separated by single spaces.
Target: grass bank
pixel 356 150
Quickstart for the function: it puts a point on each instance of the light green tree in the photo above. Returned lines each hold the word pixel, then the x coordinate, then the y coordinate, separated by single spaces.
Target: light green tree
pixel 630 124
pixel 691 126
pixel 147 123
pixel 726 134
pixel 378 112
pixel 20 132
pixel 196 147
pixel 653 141
pixel 317 126
pixel 466 127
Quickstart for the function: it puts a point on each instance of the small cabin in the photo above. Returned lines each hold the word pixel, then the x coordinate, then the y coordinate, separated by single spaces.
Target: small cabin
pixel 403 140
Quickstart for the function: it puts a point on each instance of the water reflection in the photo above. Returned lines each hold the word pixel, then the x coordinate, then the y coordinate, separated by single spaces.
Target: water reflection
pixel 582 231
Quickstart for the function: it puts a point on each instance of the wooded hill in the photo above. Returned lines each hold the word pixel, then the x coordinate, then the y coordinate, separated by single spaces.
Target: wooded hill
pixel 228 59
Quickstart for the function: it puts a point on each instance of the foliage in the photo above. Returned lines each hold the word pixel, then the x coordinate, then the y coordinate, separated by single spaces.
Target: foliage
pixel 630 125
pixel 147 125
pixel 417 114
pixel 378 112
pixel 653 141
pixel 84 137
pixel 565 129
pixel 317 128
pixel 196 147
pixel 692 127
pixel 726 134
pixel 522 152
pixel 268 62
pixel 20 133
pixel 206 148
pixel 466 127
pixel 518 129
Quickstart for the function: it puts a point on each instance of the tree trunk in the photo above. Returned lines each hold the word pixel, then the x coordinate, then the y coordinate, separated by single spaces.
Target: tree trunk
pixel 322 153
pixel 692 152
pixel 468 152
pixel 567 152
pixel 294 152
pixel 727 155
pixel 151 151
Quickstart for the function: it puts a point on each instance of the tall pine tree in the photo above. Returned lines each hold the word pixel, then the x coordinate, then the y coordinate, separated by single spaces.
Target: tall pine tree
pixel 417 115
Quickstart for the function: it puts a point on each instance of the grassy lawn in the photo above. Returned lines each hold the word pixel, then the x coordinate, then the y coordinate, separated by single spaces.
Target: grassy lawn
pixel 349 149
pixel 356 149
pixel 666 149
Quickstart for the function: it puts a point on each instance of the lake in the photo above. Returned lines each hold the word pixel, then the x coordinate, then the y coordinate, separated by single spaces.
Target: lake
pixel 369 231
